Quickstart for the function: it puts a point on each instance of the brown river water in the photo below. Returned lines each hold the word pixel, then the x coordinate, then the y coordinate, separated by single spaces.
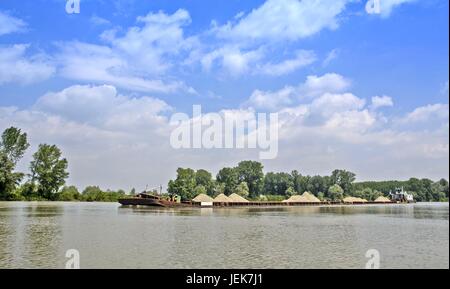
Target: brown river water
pixel 106 235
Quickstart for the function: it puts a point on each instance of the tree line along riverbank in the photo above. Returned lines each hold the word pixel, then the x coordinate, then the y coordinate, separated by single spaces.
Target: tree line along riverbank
pixel 48 172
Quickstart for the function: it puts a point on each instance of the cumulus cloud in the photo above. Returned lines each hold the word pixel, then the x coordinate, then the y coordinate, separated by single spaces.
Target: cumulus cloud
pixel 110 139
pixel 114 140
pixel 10 24
pixel 250 39
pixel 232 59
pixel 17 67
pixel 302 58
pixel 330 82
pixel 137 60
pixel 159 35
pixel 381 101
pixel 314 86
pixel 427 113
pixel 281 20
pixel 270 100
pixel 102 64
pixel 101 106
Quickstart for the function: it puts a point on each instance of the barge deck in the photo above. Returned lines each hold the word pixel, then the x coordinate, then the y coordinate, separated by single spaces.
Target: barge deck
pixel 156 201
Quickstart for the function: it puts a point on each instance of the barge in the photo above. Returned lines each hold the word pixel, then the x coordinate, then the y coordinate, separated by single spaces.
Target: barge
pixel 153 200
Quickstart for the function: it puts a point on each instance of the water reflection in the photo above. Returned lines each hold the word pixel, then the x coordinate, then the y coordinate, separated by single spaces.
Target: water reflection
pixel 31 235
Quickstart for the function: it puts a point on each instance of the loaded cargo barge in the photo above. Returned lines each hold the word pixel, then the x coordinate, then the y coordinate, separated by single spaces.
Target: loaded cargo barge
pixel 145 199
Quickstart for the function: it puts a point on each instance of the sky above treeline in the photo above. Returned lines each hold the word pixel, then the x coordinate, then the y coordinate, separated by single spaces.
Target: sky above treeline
pixel 367 92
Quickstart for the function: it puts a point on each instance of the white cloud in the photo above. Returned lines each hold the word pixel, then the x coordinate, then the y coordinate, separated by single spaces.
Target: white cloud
pixel 270 100
pixel 100 105
pixel 10 24
pixel 114 140
pixel 387 6
pixel 160 35
pixel 96 20
pixel 280 20
pixel 250 39
pixel 138 60
pixel 381 101
pixel 332 55
pixel 330 103
pixel 330 82
pixel 427 113
pixel 109 139
pixel 101 64
pixel 17 67
pixel 303 58
pixel 232 59
pixel 313 87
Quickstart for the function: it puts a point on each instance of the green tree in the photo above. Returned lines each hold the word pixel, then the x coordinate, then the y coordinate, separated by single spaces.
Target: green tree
pixel 93 194
pixel 242 190
pixel 204 178
pixel 290 192
pixel 300 182
pixel 316 184
pixel 321 196
pixel 8 178
pixel 200 189
pixel 13 145
pixel 230 178
pixel 184 185
pixel 251 172
pixel 344 179
pixel 48 170
pixel 277 183
pixel 68 194
pixel 219 188
pixel 335 193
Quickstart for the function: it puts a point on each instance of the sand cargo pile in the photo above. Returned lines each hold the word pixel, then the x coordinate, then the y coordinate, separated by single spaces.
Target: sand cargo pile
pixel 202 198
pixel 310 197
pixel 222 198
pixel 305 198
pixel 296 199
pixel 237 198
pixel 351 200
pixel 383 200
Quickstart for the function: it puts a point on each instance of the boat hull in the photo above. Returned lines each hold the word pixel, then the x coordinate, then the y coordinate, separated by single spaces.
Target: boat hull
pixel 164 203
pixel 150 202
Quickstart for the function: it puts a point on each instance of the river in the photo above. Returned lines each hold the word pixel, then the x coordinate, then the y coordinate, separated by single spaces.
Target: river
pixel 106 235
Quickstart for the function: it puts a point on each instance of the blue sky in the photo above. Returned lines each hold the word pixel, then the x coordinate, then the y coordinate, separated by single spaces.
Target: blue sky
pixel 231 55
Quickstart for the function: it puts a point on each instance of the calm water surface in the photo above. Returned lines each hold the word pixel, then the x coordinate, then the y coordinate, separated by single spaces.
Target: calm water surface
pixel 37 235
